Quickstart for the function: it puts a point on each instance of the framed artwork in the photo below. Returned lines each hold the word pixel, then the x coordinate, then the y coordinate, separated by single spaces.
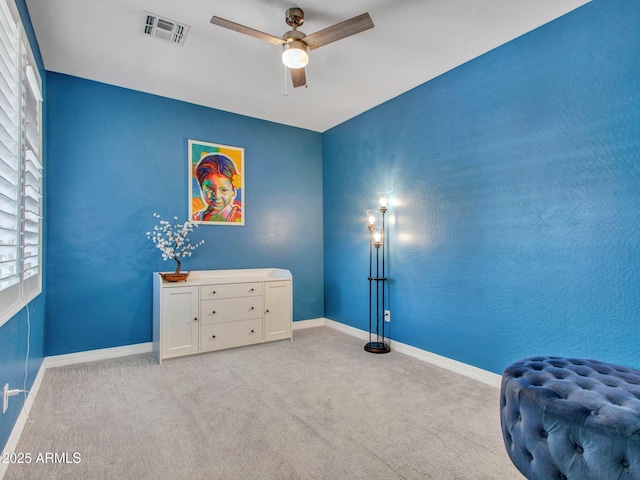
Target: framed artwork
pixel 216 184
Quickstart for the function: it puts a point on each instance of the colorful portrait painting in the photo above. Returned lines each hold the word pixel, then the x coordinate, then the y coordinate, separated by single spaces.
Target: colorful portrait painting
pixel 216 183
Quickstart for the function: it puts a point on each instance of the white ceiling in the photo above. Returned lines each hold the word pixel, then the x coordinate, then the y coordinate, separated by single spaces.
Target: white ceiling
pixel 413 41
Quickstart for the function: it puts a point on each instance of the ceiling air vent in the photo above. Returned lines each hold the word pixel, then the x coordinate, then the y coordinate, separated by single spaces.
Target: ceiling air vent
pixel 163 28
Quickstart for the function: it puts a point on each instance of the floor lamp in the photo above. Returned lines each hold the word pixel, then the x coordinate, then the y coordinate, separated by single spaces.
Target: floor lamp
pixel 377 283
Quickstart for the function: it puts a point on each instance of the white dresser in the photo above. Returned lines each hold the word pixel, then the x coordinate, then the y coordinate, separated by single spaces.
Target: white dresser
pixel 216 309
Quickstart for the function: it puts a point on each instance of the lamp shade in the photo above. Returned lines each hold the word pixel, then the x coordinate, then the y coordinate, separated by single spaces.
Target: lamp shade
pixel 371 217
pixel 294 54
pixel 377 237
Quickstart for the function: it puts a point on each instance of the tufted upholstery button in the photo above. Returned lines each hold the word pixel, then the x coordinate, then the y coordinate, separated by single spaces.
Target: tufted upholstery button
pixel 578 400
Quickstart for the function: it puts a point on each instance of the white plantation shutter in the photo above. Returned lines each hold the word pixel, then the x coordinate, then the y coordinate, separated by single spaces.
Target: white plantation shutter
pixel 9 160
pixel 20 167
pixel 31 183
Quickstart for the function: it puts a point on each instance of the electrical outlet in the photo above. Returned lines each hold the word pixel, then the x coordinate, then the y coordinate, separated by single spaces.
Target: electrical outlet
pixel 387 315
pixel 5 397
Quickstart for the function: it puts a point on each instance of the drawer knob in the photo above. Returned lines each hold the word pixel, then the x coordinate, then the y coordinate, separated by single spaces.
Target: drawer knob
pixel 213 336
pixel 213 313
pixel 252 308
pixel 267 311
pixel 195 319
pixel 251 331
pixel 213 293
pixel 251 290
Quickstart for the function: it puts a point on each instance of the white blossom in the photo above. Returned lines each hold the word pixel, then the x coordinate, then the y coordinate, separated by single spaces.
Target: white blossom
pixel 172 240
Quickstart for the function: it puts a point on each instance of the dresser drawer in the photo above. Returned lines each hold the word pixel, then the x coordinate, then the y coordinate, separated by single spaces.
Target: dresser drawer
pixel 230 309
pixel 229 290
pixel 233 334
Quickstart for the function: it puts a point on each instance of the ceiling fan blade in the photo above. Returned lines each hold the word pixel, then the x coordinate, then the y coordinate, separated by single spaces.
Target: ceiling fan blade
pixel 246 30
pixel 339 31
pixel 298 77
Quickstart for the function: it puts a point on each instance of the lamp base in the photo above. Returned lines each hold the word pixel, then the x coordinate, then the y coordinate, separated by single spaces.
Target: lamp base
pixel 377 347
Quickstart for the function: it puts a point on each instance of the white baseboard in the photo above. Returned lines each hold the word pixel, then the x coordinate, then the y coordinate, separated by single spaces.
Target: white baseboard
pixel 316 322
pixel 95 355
pixel 470 371
pixel 484 376
pixel 467 370
pixel 59 361
pixel 354 332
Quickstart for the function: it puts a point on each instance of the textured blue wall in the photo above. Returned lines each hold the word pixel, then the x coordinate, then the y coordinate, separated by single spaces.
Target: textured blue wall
pixel 115 157
pixel 13 352
pixel 14 333
pixel 517 183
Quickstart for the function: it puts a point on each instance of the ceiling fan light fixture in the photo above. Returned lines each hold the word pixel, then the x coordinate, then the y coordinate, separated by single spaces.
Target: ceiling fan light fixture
pixel 295 43
pixel 294 54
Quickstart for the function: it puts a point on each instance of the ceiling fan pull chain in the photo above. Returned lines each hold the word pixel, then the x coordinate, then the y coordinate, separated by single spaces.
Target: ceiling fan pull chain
pixel 285 82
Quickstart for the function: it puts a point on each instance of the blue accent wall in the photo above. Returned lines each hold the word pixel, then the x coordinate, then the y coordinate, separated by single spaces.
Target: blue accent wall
pixel 115 157
pixel 13 354
pixel 516 183
pixel 25 324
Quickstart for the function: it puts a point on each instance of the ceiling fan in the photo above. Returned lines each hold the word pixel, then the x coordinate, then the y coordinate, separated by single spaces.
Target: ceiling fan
pixel 295 43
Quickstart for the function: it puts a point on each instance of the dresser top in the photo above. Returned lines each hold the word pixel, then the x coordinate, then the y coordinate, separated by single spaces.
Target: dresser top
pixel 211 277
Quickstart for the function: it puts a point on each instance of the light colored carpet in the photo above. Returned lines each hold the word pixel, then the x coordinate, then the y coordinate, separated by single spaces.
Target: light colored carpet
pixel 319 407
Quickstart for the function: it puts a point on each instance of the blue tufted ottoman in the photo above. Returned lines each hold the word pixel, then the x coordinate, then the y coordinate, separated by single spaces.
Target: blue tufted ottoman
pixel 566 418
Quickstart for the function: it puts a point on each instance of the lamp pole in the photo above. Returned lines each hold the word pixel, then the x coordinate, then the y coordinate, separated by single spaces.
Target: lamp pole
pixel 371 228
pixel 377 240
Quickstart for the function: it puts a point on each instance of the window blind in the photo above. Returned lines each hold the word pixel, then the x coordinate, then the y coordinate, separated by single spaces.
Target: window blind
pixel 21 172
pixel 9 159
pixel 31 183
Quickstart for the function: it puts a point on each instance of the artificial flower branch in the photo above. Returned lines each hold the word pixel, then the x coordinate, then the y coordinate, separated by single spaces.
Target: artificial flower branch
pixel 172 240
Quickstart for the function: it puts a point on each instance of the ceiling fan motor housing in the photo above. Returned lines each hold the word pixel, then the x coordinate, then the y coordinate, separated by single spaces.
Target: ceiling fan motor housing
pixel 293 35
pixel 294 39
